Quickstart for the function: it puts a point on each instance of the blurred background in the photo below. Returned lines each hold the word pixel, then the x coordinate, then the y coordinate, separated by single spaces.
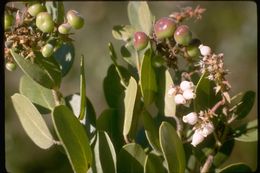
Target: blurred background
pixel 227 27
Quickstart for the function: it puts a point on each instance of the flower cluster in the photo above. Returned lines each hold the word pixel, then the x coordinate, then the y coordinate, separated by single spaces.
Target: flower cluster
pixel 183 93
pixel 202 126
pixel 213 64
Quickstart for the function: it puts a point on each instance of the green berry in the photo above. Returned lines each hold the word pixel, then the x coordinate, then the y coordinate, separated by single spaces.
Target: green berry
pixel 44 22
pixel 64 28
pixel 10 66
pixel 183 35
pixel 140 40
pixel 193 51
pixel 8 21
pixel 75 19
pixel 164 28
pixel 35 9
pixel 47 50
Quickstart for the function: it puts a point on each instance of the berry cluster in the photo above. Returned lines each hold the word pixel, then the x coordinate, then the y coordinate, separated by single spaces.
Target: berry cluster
pixel 35 30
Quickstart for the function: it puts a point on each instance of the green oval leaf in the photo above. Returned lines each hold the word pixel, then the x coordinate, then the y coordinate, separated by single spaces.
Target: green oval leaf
pixel 113 89
pixel 73 102
pixel 129 103
pixel 73 137
pixel 131 159
pixel 44 71
pixel 128 53
pixel 153 164
pixel 242 103
pixel 123 32
pixel 247 132
pixel 205 94
pixel 32 121
pixel 140 16
pixel 40 96
pixel 104 154
pixel 148 79
pixel 235 168
pixel 151 131
pixel 169 102
pixel 172 148
pixel 65 56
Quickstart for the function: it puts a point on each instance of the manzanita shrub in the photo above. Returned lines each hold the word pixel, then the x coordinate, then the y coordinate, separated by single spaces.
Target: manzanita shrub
pixel 161 117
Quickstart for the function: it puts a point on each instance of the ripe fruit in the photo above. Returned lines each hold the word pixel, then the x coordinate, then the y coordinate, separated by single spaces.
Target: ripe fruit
pixel 47 50
pixel 164 28
pixel 64 28
pixel 140 40
pixel 10 66
pixel 75 19
pixel 8 21
pixel 44 22
pixel 35 9
pixel 183 35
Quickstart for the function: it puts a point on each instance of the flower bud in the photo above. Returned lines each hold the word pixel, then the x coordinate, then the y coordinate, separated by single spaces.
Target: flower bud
pixel 171 91
pixel 188 94
pixel 197 137
pixel 191 118
pixel 204 50
pixel 207 129
pixel 186 85
pixel 179 99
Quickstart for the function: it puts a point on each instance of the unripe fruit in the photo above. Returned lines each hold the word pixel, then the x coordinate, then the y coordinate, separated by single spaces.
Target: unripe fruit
pixel 140 40
pixel 164 28
pixel 193 51
pixel 75 19
pixel 64 28
pixel 8 21
pixel 47 50
pixel 35 9
pixel 10 66
pixel 183 35
pixel 44 22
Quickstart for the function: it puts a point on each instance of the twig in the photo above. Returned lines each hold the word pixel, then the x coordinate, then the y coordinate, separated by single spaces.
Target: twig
pixel 217 105
pixel 56 97
pixel 205 168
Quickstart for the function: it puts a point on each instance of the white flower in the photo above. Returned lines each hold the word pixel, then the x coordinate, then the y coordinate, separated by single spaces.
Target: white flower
pixel 204 50
pixel 179 99
pixel 189 94
pixel 171 91
pixel 185 85
pixel 207 129
pixel 190 118
pixel 197 137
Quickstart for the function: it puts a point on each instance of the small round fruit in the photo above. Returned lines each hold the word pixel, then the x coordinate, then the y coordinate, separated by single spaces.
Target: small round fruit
pixel 140 40
pixel 183 35
pixel 47 50
pixel 75 19
pixel 44 22
pixel 35 9
pixel 8 21
pixel 64 28
pixel 193 51
pixel 10 66
pixel 164 28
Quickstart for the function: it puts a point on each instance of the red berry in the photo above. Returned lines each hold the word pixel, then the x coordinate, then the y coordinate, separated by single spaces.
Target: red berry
pixel 140 40
pixel 183 35
pixel 164 28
